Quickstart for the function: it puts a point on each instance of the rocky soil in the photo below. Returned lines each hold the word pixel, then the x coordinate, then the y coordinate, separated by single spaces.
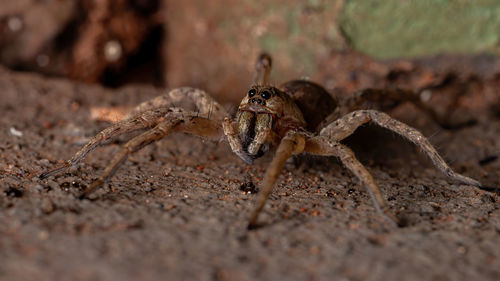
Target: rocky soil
pixel 177 210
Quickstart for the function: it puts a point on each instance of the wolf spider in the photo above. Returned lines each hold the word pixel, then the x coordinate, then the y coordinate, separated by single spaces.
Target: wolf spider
pixel 297 117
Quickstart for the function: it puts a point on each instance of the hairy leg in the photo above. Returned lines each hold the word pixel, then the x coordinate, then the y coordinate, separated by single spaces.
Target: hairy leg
pixel 346 125
pixel 148 115
pixel 145 120
pixel 324 146
pixel 181 122
pixel 187 98
pixel 262 70
pixel 292 143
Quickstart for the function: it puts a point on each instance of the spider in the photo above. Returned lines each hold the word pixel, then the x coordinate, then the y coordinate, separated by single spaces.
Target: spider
pixel 297 117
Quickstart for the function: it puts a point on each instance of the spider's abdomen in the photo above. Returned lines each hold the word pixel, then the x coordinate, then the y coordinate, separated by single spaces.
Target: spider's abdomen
pixel 312 99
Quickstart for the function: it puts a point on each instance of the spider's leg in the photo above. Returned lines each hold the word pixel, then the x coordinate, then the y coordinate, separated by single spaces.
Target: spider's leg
pixel 346 125
pixel 386 99
pixel 187 98
pixel 292 143
pixel 145 120
pixel 148 115
pixel 322 145
pixel 262 70
pixel 188 123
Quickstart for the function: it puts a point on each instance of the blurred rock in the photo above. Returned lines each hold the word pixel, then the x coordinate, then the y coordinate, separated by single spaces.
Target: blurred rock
pixel 28 33
pixel 213 45
pixel 111 39
pixel 96 41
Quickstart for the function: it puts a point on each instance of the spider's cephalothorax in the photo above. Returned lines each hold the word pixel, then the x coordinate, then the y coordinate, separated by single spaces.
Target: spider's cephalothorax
pixel 297 117
pixel 264 116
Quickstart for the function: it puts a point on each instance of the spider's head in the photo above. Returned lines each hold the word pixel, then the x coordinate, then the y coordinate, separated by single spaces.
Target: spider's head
pixel 256 117
pixel 261 114
pixel 262 99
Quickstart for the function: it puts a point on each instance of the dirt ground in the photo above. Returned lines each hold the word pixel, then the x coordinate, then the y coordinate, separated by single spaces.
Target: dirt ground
pixel 177 209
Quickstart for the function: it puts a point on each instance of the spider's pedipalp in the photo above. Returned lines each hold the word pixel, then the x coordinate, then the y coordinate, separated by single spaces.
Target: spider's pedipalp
pixel 232 135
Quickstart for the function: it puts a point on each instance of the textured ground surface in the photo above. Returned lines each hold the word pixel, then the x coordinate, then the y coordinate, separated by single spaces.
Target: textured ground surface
pixel 176 211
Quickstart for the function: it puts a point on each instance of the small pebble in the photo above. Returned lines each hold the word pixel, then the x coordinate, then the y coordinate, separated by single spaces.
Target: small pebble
pixel 44 162
pixel 15 24
pixel 52 184
pixel 47 206
pixel 15 132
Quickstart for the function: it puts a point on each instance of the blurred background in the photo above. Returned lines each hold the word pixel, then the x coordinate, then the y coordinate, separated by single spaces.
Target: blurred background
pixel 345 45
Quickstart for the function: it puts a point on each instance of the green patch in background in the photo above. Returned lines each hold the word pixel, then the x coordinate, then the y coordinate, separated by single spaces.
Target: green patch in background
pixel 397 28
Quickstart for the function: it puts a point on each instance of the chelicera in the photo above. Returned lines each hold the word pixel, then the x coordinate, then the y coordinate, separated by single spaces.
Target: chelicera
pixel 296 117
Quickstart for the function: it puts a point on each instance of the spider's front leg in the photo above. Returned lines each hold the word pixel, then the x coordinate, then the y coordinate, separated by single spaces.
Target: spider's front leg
pixel 346 125
pixel 327 144
pixel 262 69
pixel 183 109
pixel 292 143
pixel 178 121
pixel 143 121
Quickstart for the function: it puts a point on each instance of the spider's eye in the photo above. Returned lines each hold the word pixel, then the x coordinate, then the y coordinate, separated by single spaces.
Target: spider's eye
pixel 266 95
pixel 252 93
